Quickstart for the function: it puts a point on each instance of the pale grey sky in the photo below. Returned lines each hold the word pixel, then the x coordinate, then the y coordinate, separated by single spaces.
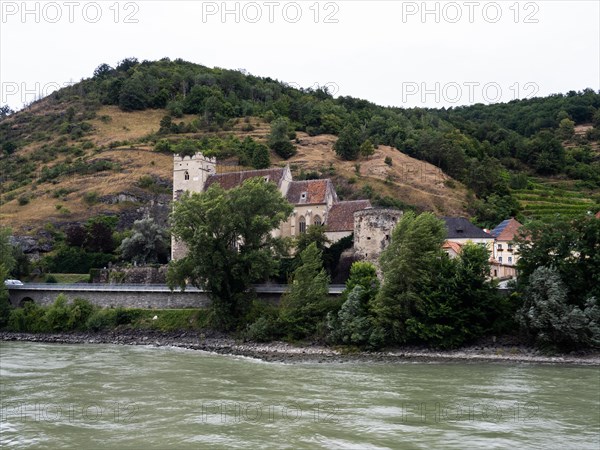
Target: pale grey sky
pixel 399 53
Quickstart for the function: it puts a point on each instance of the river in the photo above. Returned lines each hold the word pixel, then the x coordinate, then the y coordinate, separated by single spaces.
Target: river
pixel 136 397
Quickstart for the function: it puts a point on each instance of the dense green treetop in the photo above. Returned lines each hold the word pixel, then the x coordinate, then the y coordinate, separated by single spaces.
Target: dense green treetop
pixel 229 241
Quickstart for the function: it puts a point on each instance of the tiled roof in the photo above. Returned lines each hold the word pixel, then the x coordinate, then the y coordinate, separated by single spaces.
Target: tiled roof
pixel 454 246
pixel 308 192
pixel 341 215
pixel 506 230
pixel 461 228
pixel 232 179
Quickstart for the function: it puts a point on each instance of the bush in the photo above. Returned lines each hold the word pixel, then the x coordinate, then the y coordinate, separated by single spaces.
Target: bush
pixel 263 330
pixel 50 279
pixel 126 316
pixel 23 200
pixel 91 198
pixel 79 312
pixel 101 320
pixel 388 161
pixel 163 146
pixel 285 149
pixel 30 318
pixel 57 316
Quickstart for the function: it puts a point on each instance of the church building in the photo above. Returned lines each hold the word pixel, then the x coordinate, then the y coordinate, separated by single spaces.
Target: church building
pixel 315 201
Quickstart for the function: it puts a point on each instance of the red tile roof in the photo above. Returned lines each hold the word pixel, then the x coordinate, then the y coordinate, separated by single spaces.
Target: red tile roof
pixel 232 179
pixel 506 230
pixel 454 246
pixel 341 215
pixel 315 191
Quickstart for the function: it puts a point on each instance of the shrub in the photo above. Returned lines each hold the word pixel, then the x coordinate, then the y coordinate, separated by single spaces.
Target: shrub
pixel 163 146
pixel 50 279
pixel 263 330
pixel 388 161
pixel 30 318
pixel 91 198
pixel 79 312
pixel 285 149
pixel 23 200
pixel 101 319
pixel 57 316
pixel 126 316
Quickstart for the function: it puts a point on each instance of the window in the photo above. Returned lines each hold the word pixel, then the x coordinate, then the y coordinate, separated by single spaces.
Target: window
pixel 303 196
pixel 266 178
pixel 499 259
pixel 510 247
pixel 302 224
pixel 318 220
pixel 186 176
pixel 510 259
pixel 500 247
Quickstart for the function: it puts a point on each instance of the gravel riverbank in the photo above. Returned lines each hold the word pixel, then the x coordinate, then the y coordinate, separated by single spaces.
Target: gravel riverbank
pixel 288 353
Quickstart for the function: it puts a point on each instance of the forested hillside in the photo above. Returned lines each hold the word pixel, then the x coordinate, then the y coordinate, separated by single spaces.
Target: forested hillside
pixel 529 158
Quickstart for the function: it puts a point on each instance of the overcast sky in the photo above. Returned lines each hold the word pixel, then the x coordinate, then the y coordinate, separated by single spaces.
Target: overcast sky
pixel 389 52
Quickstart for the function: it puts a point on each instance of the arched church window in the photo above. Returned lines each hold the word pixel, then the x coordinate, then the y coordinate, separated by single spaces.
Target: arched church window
pixel 186 176
pixel 318 220
pixel 302 224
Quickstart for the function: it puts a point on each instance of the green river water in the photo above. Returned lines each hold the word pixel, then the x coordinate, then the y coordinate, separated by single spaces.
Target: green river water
pixel 117 397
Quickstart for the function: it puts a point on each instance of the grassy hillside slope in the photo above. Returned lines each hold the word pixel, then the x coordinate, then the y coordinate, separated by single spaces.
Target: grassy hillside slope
pixel 122 143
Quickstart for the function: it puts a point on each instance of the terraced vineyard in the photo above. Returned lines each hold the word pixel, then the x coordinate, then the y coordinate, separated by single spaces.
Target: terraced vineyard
pixel 544 198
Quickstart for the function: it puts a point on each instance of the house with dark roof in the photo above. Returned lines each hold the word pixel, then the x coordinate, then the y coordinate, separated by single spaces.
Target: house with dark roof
pixel 315 201
pixel 461 230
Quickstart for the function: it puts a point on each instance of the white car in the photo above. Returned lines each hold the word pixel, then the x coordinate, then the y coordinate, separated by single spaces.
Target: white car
pixel 13 283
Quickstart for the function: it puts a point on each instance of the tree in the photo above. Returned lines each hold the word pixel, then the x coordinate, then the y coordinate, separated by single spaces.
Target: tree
pixel 367 149
pixel 571 247
pixel 5 111
pixel 7 263
pixel 547 155
pixel 314 233
pixel 260 157
pixel 566 129
pixel 102 71
pixel 133 95
pixel 302 307
pixel 149 243
pixel 99 231
pixel 279 139
pixel 21 267
pixel 347 146
pixel 229 241
pixel 186 147
pixel 415 247
pixel 549 318
pixel 460 304
pixel 363 274
pixel 354 323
